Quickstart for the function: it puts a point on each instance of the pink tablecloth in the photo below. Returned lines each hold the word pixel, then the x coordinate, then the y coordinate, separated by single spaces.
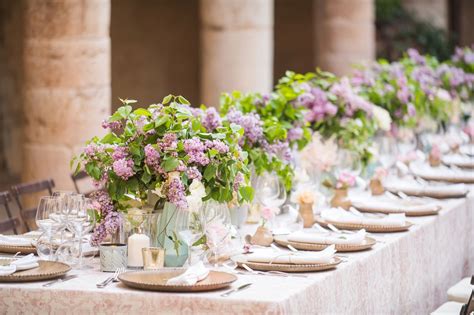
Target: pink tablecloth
pixel 407 273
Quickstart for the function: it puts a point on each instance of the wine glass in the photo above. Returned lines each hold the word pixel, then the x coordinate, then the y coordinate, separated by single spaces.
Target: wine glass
pixel 82 218
pixel 270 191
pixel 47 207
pixel 387 148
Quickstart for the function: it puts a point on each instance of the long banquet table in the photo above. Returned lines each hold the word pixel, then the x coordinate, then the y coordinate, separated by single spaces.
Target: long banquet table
pixel 405 273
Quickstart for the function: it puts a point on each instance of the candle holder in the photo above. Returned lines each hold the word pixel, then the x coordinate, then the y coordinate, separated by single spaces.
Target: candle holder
pixel 112 256
pixel 153 258
pixel 139 231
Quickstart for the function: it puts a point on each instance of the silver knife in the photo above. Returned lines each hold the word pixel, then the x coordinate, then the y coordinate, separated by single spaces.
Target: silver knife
pixel 242 287
pixel 66 278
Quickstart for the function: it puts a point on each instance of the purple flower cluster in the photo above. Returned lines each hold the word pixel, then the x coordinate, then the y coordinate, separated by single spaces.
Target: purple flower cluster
pixel 238 180
pixel 253 130
pixel 92 149
pixel 318 104
pixel 195 149
pixel 123 168
pixel 169 142
pixel 176 193
pixel 152 157
pixel 463 55
pixel 193 173
pixel 218 145
pixel 457 79
pixel 295 133
pixel 104 201
pixel 211 119
pixel 415 56
pixel 114 125
pixel 280 149
pixel 353 102
pixel 119 153
pixel 102 181
pixel 110 225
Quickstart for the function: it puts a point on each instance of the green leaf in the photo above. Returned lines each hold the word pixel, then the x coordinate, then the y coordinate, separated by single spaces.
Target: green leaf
pixel 210 171
pixel 182 100
pixel 124 111
pixel 146 177
pixel 161 120
pixel 170 164
pixel 166 99
pixel 246 192
pixel 110 138
pixel 142 112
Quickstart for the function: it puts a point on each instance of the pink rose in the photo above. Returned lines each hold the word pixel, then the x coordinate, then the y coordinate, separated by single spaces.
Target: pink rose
pixel 345 180
pixel 267 213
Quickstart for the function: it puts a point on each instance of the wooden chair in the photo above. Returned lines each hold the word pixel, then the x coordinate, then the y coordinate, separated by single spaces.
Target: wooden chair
pixel 80 177
pixel 11 223
pixel 21 190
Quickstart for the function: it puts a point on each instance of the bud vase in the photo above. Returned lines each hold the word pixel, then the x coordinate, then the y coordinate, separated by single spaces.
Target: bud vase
pixel 263 237
pixel 340 199
pixel 376 187
pixel 306 212
pixel 170 223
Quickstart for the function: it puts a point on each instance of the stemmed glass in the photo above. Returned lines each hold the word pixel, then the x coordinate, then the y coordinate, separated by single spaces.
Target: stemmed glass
pixel 270 191
pixel 47 208
pixel 387 148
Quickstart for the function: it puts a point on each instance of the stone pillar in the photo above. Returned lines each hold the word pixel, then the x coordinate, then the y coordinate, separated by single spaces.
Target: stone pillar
pixel 345 34
pixel 434 12
pixel 66 83
pixel 236 47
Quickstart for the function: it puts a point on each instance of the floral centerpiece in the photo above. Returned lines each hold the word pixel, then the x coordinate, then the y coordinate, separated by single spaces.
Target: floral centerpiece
pixel 340 183
pixel 165 154
pixel 333 107
pixel 271 130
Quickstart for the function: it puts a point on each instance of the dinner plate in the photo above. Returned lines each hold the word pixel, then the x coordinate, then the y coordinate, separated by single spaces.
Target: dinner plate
pixel 412 188
pixel 156 281
pixel 45 271
pixel 399 208
pixel 242 259
pixel 367 227
pixel 367 243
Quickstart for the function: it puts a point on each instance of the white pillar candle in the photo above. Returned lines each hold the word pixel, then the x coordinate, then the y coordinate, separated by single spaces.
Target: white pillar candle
pixel 135 244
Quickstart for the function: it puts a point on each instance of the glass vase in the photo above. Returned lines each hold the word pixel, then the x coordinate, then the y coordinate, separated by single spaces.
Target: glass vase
pixel 171 223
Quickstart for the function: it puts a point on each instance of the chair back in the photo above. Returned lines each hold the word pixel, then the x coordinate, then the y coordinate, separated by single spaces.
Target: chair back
pixel 468 308
pixel 11 223
pixel 81 176
pixel 21 191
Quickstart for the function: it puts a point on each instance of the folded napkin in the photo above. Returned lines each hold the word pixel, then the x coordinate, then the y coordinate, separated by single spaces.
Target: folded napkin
pixel 13 240
pixel 343 216
pixel 441 173
pixel 467 149
pixel 24 263
pixel 395 206
pixel 412 187
pixel 269 255
pixel 191 276
pixel 318 238
pixel 458 160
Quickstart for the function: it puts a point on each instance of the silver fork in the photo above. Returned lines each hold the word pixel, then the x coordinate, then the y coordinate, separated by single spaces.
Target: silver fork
pixel 113 278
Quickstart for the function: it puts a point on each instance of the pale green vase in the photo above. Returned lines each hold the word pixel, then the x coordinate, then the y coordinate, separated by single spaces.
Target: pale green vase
pixel 172 220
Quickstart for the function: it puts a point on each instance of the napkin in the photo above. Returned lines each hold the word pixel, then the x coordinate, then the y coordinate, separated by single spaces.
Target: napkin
pixel 11 240
pixel 411 187
pixel 297 258
pixel 458 160
pixel 441 173
pixel 318 238
pixel 467 149
pixel 24 263
pixel 191 276
pixel 376 204
pixel 342 216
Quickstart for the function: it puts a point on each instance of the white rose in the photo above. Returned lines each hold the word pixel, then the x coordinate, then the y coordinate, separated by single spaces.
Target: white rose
pixel 443 95
pixel 196 192
pixel 382 118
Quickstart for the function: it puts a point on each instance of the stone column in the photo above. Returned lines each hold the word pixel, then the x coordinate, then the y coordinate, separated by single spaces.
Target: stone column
pixel 345 34
pixel 66 84
pixel 434 12
pixel 236 47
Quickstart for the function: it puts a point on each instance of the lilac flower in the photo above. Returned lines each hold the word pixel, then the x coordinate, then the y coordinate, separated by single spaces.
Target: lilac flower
pixel 251 124
pixel 295 133
pixel 238 180
pixel 92 149
pixel 403 93
pixel 102 181
pixel 176 194
pixel 140 124
pixel 99 235
pixel 411 110
pixel 123 168
pixel 152 157
pixel 169 142
pixel 119 153
pixel 104 201
pixel 196 112
pixel 114 125
pixel 218 145
pixel 181 167
pixel 344 91
pixel 193 173
pixel 195 148
pixel 279 149
pixel 112 222
pixel 415 56
pixel 211 119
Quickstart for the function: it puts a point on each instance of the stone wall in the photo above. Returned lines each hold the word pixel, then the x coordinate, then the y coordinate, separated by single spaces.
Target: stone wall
pixel 155 50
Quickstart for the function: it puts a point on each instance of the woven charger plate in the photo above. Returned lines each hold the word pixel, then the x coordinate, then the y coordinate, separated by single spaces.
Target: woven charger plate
pixel 367 227
pixel 366 244
pixel 432 194
pixel 156 281
pixel 242 259
pixel 45 271
pixel 15 249
pixel 407 213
